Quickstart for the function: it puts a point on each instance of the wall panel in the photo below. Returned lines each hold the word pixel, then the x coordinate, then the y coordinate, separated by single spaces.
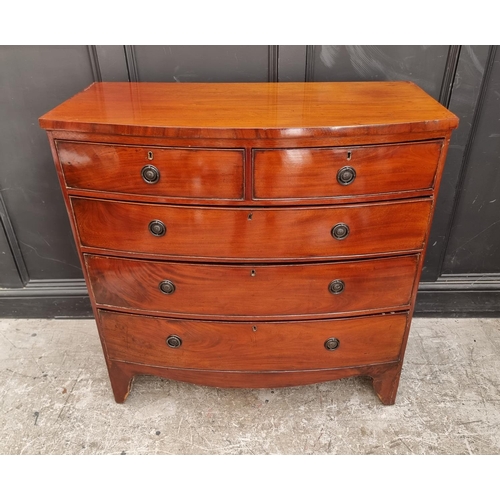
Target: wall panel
pixel 466 88
pixel 474 243
pixel 423 65
pixel 207 63
pixel 32 81
pixel 40 273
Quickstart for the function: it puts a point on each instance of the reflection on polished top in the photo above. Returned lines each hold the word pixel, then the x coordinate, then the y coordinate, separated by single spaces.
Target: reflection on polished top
pixel 251 110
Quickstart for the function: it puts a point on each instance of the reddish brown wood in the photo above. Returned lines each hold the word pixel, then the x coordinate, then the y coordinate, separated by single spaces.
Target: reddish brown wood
pixel 250 379
pixel 249 203
pixel 252 346
pixel 226 291
pixel 256 234
pixel 261 142
pixel 121 380
pixel 386 383
pixel 251 110
pixel 309 173
pixel 272 235
pixel 184 173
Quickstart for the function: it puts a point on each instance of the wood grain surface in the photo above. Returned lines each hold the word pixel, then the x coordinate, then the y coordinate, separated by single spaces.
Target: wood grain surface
pixel 229 291
pixel 312 172
pixel 256 234
pixel 249 197
pixel 251 110
pixel 186 173
pixel 252 346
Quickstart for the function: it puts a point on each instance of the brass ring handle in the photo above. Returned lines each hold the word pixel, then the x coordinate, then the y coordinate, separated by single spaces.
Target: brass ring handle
pixel 331 344
pixel 340 231
pixel 150 174
pixel 166 287
pixel 336 287
pixel 157 228
pixel 346 176
pixel 174 341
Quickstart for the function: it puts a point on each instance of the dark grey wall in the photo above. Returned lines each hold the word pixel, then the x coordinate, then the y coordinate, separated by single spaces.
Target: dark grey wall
pixel 474 243
pixel 207 63
pixel 464 98
pixel 32 80
pixel 424 65
pixel 39 270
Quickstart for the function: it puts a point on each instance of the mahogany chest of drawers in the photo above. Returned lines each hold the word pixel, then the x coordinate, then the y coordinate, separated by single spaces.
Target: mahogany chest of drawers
pixel 251 235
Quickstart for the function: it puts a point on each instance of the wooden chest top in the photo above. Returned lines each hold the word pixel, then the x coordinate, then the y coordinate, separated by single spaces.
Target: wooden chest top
pixel 251 110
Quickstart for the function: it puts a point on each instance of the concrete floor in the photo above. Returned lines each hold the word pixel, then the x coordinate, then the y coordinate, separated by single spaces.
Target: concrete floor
pixel 55 398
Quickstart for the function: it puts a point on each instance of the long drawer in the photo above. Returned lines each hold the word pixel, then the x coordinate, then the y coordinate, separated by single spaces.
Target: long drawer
pixel 252 234
pixel 150 171
pixel 333 172
pixel 245 291
pixel 252 346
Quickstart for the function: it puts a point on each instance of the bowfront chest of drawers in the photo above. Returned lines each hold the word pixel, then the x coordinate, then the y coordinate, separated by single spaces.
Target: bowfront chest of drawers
pixel 251 235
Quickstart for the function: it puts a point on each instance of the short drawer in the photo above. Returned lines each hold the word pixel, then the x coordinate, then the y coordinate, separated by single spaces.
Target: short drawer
pixel 245 291
pixel 252 346
pixel 336 172
pixel 150 171
pixel 252 234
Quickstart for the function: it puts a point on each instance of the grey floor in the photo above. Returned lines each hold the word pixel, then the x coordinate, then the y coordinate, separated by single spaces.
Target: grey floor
pixel 55 398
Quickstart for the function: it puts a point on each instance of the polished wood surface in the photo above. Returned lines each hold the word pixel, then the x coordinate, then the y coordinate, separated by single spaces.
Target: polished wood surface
pixel 248 346
pixel 256 291
pixel 251 110
pixel 385 377
pixel 312 172
pixel 269 207
pixel 257 234
pixel 183 173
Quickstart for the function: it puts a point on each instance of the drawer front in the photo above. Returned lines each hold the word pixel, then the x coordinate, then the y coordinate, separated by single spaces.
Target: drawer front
pixel 246 291
pixel 252 234
pixel 252 346
pixel 176 173
pixel 334 172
